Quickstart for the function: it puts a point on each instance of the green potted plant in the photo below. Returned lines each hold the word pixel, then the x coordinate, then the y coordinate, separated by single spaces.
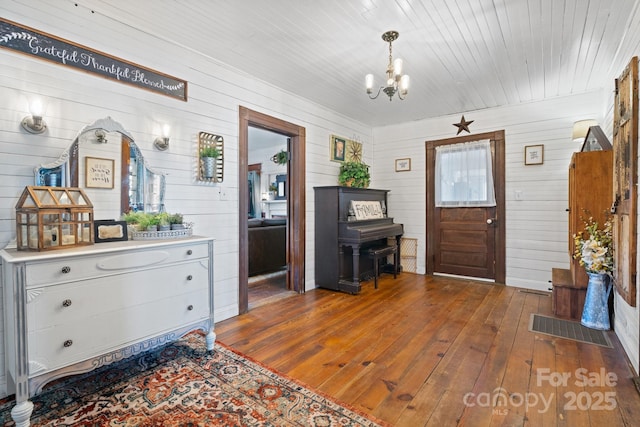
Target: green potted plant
pixel 280 158
pixel 132 217
pixel 208 155
pixel 176 221
pixel 163 219
pixel 142 221
pixel 354 174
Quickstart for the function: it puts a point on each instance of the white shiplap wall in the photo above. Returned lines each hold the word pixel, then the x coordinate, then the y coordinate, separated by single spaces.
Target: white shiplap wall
pixel 73 99
pixel 536 226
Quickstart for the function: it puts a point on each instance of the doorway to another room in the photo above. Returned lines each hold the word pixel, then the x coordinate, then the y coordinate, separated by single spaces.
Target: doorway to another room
pixel 268 161
pixel 268 216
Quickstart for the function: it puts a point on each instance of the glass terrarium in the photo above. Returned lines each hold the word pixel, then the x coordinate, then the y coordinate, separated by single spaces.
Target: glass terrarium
pixel 53 218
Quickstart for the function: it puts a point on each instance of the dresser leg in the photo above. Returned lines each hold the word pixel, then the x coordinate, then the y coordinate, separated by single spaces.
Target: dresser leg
pixel 211 339
pixel 21 413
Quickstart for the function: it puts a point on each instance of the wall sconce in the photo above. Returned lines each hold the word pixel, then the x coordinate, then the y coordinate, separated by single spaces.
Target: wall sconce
pixel 162 142
pixel 34 123
pixel 101 136
pixel 580 129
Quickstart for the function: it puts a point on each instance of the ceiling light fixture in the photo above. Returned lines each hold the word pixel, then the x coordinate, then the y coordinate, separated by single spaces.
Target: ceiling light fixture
pixel 396 82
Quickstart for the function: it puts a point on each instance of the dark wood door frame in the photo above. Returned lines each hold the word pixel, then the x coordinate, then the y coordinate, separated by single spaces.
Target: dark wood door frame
pixel 295 202
pixel 499 156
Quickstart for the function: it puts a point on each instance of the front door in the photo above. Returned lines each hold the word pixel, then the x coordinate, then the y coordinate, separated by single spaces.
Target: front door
pixel 467 241
pixel 464 241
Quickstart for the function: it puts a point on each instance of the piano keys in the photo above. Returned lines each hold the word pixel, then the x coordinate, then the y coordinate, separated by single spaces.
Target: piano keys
pixel 342 239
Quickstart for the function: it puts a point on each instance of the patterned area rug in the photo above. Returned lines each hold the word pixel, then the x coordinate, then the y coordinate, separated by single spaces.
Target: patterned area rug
pixel 182 384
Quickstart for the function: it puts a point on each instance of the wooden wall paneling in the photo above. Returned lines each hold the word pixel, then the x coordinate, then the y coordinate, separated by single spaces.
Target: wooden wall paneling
pixel 625 140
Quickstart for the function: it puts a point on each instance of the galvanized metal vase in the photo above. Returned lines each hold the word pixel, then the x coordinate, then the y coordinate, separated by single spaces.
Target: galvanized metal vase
pixel 209 167
pixel 595 314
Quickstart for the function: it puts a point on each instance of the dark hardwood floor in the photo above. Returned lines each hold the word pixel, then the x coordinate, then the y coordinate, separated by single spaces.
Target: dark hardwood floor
pixel 438 351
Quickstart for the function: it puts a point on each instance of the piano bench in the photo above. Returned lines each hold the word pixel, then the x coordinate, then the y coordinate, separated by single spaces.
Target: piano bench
pixel 380 252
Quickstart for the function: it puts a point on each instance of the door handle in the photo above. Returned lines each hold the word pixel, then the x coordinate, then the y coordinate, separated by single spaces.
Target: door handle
pixel 490 220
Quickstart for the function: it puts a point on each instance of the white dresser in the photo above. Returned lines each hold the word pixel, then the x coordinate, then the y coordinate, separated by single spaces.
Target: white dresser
pixel 71 311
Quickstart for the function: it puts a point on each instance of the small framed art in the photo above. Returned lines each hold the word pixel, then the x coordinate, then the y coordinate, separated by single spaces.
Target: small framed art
pixel 534 154
pixel 403 165
pixel 98 173
pixel 338 148
pixel 110 231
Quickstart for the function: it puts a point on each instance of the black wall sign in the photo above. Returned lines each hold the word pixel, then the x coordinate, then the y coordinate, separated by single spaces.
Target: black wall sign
pixel 33 42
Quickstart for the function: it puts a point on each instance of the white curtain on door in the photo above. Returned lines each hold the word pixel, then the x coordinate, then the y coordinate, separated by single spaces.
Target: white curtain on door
pixel 464 175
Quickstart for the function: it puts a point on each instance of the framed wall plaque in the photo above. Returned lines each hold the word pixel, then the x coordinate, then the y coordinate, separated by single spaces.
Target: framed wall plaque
pixel 534 154
pixel 98 172
pixel 403 165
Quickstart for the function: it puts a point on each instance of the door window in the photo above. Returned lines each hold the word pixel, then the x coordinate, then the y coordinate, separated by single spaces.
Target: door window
pixel 463 175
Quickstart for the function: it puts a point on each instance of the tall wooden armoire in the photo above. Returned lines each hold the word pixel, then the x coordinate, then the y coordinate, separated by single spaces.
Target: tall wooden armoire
pixel 590 195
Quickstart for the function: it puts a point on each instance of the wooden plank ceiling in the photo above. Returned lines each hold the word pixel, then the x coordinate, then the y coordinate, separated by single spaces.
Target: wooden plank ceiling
pixel 461 55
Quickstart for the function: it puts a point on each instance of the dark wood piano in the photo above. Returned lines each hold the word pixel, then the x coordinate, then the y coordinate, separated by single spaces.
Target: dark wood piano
pixel 342 241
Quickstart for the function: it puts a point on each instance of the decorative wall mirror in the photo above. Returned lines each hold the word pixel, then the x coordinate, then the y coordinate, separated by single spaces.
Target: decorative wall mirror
pixel 134 186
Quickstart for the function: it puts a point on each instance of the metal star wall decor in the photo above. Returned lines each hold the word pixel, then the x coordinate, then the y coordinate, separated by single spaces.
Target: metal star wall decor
pixel 463 125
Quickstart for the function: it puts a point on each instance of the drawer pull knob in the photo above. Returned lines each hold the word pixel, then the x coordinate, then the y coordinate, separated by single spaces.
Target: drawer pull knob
pixel 68 343
pixel 190 277
pixel 66 303
pixel 190 307
pixel 189 252
pixel 66 269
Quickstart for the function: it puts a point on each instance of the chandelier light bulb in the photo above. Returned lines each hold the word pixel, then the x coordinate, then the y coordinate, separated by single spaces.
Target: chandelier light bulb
pixel 397 67
pixel 404 85
pixel 369 82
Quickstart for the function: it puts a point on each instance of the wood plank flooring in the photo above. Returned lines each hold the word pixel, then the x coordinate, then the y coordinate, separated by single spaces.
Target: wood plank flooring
pixel 438 351
pixel 267 288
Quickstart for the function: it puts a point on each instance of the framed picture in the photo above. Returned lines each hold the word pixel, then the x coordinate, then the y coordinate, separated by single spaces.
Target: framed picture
pixel 98 173
pixel 403 165
pixel 338 148
pixel 534 154
pixel 110 231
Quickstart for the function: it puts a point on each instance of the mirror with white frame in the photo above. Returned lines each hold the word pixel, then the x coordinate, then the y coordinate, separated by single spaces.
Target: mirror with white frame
pixel 134 185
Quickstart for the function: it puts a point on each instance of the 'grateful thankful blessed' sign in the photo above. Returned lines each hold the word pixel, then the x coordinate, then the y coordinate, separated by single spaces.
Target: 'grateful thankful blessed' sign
pixel 33 42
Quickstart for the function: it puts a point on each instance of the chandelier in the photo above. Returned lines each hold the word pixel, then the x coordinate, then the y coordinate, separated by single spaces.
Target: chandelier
pixel 396 82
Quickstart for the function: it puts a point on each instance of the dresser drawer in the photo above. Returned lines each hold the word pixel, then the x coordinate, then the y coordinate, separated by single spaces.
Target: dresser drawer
pixel 73 342
pixel 49 306
pixel 78 268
